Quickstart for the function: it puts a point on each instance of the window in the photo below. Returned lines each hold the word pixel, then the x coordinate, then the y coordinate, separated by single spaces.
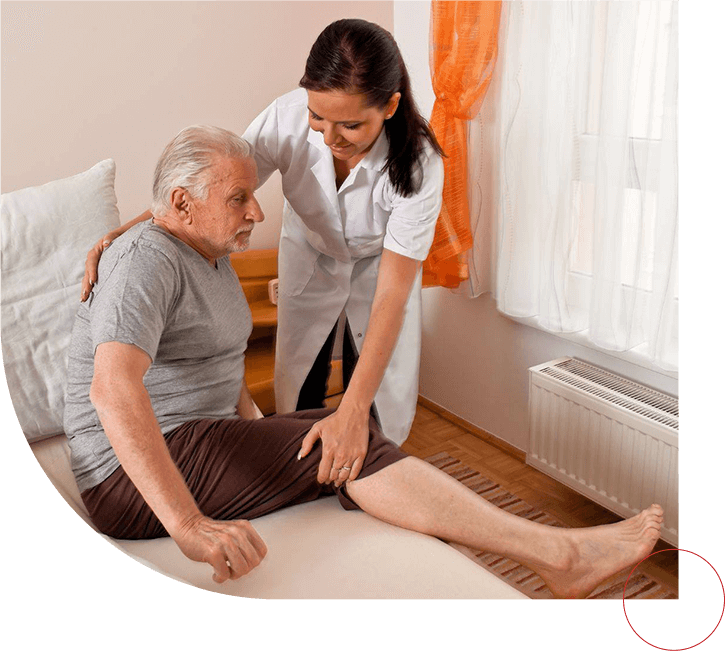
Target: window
pixel 644 124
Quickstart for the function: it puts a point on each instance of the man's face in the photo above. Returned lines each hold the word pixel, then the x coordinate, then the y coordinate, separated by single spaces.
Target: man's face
pixel 223 222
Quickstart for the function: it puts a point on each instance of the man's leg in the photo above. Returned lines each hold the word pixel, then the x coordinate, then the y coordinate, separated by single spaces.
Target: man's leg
pixel 415 495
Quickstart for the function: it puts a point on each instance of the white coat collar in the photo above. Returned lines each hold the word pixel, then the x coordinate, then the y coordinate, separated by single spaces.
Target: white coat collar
pixel 378 155
pixel 317 139
pixel 324 170
pixel 374 161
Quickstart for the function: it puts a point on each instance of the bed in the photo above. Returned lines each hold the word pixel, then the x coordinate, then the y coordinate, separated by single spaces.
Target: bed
pixel 315 550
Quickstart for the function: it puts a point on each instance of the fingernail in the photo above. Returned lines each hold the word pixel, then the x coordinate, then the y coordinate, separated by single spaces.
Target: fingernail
pixel 299 455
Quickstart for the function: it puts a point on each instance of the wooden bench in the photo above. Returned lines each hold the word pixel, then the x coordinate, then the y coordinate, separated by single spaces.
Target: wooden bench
pixel 255 268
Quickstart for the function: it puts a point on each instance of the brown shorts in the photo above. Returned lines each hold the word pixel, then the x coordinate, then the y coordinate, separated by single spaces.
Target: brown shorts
pixel 235 469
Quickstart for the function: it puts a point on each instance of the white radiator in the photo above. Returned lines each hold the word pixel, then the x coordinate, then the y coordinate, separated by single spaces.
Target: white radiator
pixel 606 437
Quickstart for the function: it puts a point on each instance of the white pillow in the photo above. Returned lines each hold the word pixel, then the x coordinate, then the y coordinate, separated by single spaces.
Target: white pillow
pixel 46 233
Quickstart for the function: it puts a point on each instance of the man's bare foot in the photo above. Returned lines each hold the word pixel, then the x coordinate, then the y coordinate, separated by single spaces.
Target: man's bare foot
pixel 596 553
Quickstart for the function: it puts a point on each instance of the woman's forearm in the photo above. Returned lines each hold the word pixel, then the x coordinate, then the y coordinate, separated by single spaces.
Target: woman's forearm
pixel 124 227
pixel 395 279
pixel 117 232
pixel 94 255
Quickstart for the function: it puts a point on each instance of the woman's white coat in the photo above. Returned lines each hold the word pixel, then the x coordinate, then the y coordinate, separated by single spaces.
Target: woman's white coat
pixel 330 248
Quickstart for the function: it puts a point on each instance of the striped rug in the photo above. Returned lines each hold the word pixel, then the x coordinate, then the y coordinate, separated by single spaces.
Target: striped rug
pixel 640 585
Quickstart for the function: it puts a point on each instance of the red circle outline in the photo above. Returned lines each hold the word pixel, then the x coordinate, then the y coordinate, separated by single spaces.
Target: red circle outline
pixel 624 606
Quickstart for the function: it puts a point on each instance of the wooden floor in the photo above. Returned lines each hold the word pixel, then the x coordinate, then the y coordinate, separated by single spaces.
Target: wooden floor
pixel 433 434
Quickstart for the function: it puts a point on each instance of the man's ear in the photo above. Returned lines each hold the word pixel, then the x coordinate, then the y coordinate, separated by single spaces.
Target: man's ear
pixel 180 204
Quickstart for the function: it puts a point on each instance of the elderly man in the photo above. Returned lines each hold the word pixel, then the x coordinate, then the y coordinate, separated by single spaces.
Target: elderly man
pixel 164 435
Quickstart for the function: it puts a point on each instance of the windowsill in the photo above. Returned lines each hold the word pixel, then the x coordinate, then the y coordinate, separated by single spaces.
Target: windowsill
pixel 634 356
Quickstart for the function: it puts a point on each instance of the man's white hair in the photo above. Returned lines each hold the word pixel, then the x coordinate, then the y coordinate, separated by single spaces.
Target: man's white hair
pixel 186 158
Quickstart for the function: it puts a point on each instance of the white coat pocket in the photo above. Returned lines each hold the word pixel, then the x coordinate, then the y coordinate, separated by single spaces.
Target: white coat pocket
pixel 297 263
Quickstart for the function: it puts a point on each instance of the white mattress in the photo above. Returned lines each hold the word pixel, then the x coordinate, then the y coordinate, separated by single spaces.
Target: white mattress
pixel 315 550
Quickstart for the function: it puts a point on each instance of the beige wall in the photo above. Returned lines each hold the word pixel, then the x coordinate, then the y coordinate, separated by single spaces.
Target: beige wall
pixel 84 81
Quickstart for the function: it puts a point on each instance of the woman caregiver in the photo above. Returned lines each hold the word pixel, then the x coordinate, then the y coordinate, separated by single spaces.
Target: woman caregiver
pixel 362 177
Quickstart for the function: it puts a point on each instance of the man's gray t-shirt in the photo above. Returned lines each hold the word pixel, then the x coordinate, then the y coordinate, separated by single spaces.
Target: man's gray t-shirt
pixel 191 318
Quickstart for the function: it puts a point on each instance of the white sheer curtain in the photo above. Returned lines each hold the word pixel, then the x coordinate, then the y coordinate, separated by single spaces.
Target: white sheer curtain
pixel 573 167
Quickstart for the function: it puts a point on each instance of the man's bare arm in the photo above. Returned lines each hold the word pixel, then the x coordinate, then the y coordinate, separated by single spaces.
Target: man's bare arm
pixel 246 407
pixel 232 548
pixel 124 408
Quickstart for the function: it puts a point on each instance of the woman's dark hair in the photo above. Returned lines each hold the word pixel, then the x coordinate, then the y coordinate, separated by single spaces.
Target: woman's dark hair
pixel 357 56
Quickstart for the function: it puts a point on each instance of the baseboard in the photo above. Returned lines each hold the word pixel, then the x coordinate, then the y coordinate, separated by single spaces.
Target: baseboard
pixel 473 429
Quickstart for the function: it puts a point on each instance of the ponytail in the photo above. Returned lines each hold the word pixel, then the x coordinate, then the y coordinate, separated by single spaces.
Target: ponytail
pixel 357 56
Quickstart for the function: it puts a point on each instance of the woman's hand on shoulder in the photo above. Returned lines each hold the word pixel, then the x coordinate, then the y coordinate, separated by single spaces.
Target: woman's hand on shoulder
pixel 90 277
pixel 92 259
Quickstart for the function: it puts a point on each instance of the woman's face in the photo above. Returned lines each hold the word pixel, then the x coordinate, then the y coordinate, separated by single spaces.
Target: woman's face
pixel 350 128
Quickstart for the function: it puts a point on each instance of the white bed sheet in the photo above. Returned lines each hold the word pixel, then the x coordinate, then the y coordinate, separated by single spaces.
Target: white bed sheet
pixel 315 550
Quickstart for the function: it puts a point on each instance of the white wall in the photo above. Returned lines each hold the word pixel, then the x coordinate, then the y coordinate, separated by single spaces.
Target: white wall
pixel 474 360
pixel 84 81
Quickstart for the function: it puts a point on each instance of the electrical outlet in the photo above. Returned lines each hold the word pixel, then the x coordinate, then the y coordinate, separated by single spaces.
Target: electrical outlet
pixel 273 289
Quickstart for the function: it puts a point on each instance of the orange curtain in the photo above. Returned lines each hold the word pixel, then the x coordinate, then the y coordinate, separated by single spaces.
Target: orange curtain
pixel 464 45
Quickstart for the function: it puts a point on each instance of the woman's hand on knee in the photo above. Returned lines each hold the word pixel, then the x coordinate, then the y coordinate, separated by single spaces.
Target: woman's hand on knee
pixel 344 438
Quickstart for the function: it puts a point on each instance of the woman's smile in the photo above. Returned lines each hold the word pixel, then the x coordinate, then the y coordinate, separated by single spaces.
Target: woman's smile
pixel 348 125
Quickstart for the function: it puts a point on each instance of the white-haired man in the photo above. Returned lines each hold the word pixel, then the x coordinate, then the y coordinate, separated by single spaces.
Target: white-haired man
pixel 163 432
